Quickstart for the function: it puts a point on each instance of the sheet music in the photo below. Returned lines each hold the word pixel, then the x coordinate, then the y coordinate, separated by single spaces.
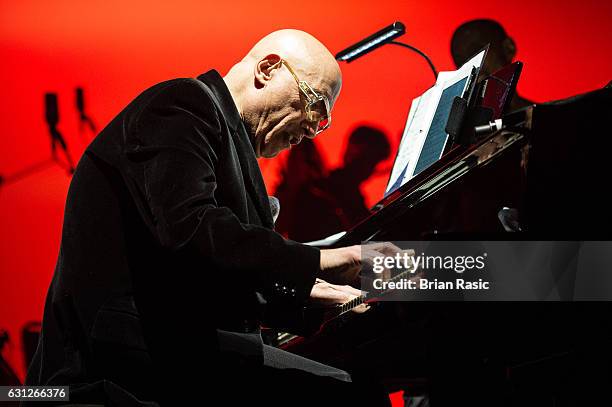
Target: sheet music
pixel 415 133
pixel 436 138
pixel 404 150
pixel 423 111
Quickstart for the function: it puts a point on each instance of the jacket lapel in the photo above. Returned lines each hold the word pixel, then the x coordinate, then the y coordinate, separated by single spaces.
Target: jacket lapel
pixel 251 173
pixel 253 179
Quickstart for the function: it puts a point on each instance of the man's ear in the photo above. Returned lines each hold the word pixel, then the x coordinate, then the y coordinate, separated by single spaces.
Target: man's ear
pixel 265 68
pixel 509 50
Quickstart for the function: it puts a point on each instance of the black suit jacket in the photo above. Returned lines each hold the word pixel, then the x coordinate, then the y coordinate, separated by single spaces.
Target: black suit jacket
pixel 167 237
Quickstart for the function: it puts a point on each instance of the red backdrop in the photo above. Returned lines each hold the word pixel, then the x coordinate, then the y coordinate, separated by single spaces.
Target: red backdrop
pixel 115 49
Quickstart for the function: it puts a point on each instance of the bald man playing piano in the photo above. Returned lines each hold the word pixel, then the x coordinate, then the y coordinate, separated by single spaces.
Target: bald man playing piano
pixel 169 264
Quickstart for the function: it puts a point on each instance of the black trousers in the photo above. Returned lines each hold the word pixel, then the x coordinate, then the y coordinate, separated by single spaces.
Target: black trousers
pixel 284 377
pixel 241 383
pixel 288 379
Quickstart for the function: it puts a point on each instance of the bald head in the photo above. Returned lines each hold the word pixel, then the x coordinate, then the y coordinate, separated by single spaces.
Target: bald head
pixel 311 59
pixel 267 95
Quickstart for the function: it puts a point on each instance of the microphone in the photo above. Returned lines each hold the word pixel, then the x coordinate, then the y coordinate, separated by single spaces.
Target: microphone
pixel 84 119
pixel 514 119
pixel 488 128
pixel 52 118
pixel 80 102
pixel 51 109
pixel 274 207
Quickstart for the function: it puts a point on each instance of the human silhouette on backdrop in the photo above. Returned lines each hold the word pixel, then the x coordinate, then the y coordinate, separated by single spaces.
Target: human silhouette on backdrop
pixel 304 165
pixel 323 205
pixel 472 36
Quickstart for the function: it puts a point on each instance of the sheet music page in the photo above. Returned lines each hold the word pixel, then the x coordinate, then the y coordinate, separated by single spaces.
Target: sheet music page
pixel 403 152
pixel 414 133
pixel 464 71
pixel 429 102
pixel 452 84
pixel 419 122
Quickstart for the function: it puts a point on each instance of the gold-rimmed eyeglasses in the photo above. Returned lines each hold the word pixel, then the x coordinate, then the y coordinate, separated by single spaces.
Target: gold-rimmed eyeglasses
pixel 317 106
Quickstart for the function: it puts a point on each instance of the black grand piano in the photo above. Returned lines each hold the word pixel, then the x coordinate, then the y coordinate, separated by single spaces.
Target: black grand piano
pixel 548 175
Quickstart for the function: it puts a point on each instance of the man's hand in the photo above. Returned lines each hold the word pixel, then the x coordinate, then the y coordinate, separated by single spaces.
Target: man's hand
pixel 343 265
pixel 324 293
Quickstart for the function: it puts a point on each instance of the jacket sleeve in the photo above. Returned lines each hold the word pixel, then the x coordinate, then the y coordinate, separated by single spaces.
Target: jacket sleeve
pixel 171 154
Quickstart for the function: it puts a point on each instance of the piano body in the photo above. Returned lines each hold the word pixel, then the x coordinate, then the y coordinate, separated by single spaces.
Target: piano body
pixel 554 171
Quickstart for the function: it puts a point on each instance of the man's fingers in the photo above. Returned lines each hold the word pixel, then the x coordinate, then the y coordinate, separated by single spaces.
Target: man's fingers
pixel 361 308
pixel 347 289
pixel 386 248
pixel 328 295
pixel 352 293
